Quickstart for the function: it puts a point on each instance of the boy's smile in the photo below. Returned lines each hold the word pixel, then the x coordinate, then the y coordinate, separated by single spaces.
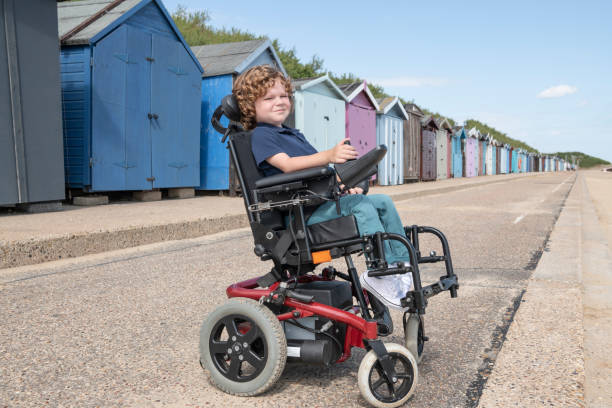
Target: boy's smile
pixel 274 106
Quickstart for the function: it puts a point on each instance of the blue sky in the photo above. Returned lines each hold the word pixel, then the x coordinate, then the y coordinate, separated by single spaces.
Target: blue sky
pixel 540 71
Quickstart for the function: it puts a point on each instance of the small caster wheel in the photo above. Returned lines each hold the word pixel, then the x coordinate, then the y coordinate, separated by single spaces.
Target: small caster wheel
pixel 243 347
pixel 414 335
pixel 383 393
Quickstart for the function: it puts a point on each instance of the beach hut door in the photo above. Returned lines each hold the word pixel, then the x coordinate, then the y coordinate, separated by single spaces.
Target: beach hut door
pixel 121 146
pixel 176 100
pixel 143 89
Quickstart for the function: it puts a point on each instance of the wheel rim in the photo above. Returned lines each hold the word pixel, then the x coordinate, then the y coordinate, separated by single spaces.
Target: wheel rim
pixel 238 348
pixel 420 338
pixel 385 390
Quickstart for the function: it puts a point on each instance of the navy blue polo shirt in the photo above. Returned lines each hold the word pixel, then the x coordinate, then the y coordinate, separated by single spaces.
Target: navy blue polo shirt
pixel 268 140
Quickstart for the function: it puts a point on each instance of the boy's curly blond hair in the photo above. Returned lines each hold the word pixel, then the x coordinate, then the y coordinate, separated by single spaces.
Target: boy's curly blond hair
pixel 253 84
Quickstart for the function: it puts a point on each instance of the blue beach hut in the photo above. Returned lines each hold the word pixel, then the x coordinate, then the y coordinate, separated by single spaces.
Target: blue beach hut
pixel 130 97
pixel 222 64
pixel 503 159
pixel 457 154
pixel 390 119
pixel 515 154
pixel 319 111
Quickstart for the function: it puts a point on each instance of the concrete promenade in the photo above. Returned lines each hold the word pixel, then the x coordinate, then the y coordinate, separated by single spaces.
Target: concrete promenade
pixel 27 239
pixel 556 352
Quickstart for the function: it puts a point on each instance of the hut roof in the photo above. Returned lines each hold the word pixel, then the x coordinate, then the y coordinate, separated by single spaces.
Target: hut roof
pixel 444 124
pixel 389 103
pixel 88 21
pixel 305 83
pixel 459 131
pixel 353 89
pixel 429 121
pixel 234 57
pixel 475 133
pixel 414 109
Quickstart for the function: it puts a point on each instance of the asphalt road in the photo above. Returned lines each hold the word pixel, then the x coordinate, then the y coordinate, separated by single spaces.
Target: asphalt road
pixel 121 328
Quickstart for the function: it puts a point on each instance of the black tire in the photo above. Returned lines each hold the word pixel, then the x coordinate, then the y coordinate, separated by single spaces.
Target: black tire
pixel 376 390
pixel 257 342
pixel 414 339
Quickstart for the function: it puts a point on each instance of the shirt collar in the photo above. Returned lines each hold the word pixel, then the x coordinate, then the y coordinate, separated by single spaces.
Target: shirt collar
pixel 283 128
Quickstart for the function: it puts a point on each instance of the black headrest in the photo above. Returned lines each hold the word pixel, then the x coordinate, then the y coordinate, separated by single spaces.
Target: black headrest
pixel 229 108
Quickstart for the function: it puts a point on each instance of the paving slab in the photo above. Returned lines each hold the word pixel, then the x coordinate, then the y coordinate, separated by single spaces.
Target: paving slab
pixel 555 352
pixel 597 280
pixel 27 239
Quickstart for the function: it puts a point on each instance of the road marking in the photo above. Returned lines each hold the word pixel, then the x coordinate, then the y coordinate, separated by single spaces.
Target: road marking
pixel 562 183
pixel 518 219
pixel 559 186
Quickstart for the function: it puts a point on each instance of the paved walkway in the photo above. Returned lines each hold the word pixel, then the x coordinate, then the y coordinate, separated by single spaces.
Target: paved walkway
pixel 27 239
pixel 556 352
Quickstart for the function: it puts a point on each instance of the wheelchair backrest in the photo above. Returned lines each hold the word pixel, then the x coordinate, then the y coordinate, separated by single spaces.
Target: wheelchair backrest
pixel 241 154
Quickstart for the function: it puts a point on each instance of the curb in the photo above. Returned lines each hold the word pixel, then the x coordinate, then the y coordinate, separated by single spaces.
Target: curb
pixel 35 251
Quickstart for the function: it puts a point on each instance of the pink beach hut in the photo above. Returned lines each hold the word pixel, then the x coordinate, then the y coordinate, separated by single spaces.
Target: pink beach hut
pixel 360 116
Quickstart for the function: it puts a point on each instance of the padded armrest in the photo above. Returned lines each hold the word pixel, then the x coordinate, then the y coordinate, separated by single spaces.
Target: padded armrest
pixel 314 172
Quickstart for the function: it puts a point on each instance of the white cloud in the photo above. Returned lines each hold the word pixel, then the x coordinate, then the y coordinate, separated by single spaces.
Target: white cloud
pixel 557 91
pixel 410 82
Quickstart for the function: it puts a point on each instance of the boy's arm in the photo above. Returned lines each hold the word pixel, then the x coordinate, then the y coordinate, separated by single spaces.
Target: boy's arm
pixel 337 154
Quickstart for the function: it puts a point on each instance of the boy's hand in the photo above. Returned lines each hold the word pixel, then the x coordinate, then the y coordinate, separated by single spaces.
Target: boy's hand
pixel 354 190
pixel 342 152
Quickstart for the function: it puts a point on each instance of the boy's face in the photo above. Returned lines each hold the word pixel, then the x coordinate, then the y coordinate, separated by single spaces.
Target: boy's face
pixel 274 106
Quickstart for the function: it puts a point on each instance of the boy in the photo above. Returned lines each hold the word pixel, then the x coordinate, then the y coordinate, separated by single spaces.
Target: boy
pixel 264 96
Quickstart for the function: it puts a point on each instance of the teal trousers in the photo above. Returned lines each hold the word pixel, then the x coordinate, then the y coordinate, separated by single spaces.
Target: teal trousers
pixel 374 213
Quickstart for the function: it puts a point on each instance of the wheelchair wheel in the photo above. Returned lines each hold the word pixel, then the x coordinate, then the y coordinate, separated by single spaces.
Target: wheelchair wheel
pixel 414 335
pixel 379 392
pixel 243 347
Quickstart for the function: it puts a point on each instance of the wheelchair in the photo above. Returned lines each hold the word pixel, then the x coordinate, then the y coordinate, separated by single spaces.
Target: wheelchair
pixel 295 314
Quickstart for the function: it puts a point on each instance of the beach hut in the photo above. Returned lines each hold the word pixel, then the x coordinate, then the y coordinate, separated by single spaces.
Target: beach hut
pixel 428 148
pixel 443 149
pixel 480 153
pixel 471 153
pixel 360 116
pixel 489 156
pixel 222 63
pixel 492 159
pixel 390 120
pixel 319 111
pixel 457 142
pixel 31 152
pixel 130 95
pixel 503 159
pixel 412 142
pixel 515 159
pixel 498 154
pixel 482 162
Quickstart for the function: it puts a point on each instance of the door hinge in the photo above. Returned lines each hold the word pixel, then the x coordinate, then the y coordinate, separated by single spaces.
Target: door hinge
pixel 91 162
pixel 150 59
pixel 91 61
pixel 151 179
